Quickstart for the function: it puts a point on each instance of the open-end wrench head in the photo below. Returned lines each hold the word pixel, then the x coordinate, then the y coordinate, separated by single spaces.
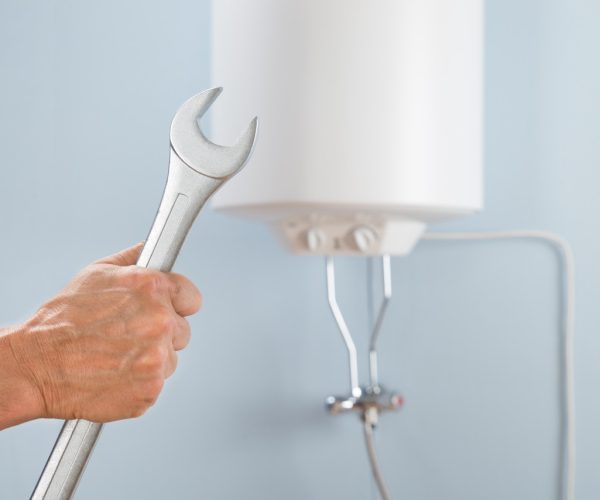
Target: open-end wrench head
pixel 191 145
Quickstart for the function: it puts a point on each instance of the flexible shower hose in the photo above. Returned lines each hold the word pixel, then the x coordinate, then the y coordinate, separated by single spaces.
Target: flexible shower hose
pixel 368 428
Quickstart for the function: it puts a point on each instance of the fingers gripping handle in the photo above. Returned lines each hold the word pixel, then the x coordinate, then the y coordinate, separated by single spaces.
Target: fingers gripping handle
pixel 185 194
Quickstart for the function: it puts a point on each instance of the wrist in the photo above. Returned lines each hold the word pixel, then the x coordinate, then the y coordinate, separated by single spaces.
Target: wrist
pixel 20 398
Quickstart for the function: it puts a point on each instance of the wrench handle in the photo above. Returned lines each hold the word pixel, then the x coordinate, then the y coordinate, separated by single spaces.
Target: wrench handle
pixel 186 192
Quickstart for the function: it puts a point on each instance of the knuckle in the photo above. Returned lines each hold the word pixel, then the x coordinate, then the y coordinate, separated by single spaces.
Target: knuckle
pixel 184 335
pixel 173 364
pixel 144 280
pixel 197 301
pixel 155 325
pixel 138 411
pixel 164 322
pixel 152 360
pixel 131 276
pixel 152 389
pixel 146 396
pixel 186 328
pixel 193 296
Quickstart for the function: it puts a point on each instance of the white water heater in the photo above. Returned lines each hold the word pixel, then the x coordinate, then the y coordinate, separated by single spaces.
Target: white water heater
pixel 371 117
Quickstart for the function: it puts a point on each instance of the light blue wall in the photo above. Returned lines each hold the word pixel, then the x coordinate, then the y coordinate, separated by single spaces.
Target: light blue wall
pixel 86 96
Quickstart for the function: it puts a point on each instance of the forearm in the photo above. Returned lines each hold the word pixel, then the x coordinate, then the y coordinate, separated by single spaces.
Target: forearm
pixel 19 398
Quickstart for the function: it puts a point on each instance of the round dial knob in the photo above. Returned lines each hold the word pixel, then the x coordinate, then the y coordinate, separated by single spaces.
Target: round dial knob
pixel 363 238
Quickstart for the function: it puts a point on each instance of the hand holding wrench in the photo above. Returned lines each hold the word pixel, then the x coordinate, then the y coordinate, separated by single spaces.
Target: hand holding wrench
pixel 197 168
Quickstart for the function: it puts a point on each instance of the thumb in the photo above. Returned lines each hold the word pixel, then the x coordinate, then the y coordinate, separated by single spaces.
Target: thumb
pixel 126 257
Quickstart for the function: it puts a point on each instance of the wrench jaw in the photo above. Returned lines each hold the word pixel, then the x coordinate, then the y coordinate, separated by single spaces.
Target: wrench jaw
pixel 240 153
pixel 197 168
pixel 190 144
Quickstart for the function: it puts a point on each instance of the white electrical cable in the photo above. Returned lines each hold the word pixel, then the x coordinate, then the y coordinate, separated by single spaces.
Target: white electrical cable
pixel 568 262
pixel 368 427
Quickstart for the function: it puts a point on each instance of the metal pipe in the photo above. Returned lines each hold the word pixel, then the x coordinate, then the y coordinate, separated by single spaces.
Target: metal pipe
pixel 343 328
pixel 387 295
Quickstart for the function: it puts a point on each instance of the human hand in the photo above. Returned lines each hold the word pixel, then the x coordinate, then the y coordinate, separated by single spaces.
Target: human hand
pixel 102 348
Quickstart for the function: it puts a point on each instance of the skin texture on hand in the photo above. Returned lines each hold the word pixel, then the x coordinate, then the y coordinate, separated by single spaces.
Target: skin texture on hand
pixel 101 349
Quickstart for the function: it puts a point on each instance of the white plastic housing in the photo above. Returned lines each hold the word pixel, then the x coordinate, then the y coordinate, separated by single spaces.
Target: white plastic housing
pixel 370 116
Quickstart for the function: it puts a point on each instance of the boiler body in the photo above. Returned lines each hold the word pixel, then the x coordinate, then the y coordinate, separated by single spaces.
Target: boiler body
pixel 371 116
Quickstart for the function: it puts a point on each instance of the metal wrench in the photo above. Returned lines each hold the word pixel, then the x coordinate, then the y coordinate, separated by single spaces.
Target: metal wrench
pixel 197 168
